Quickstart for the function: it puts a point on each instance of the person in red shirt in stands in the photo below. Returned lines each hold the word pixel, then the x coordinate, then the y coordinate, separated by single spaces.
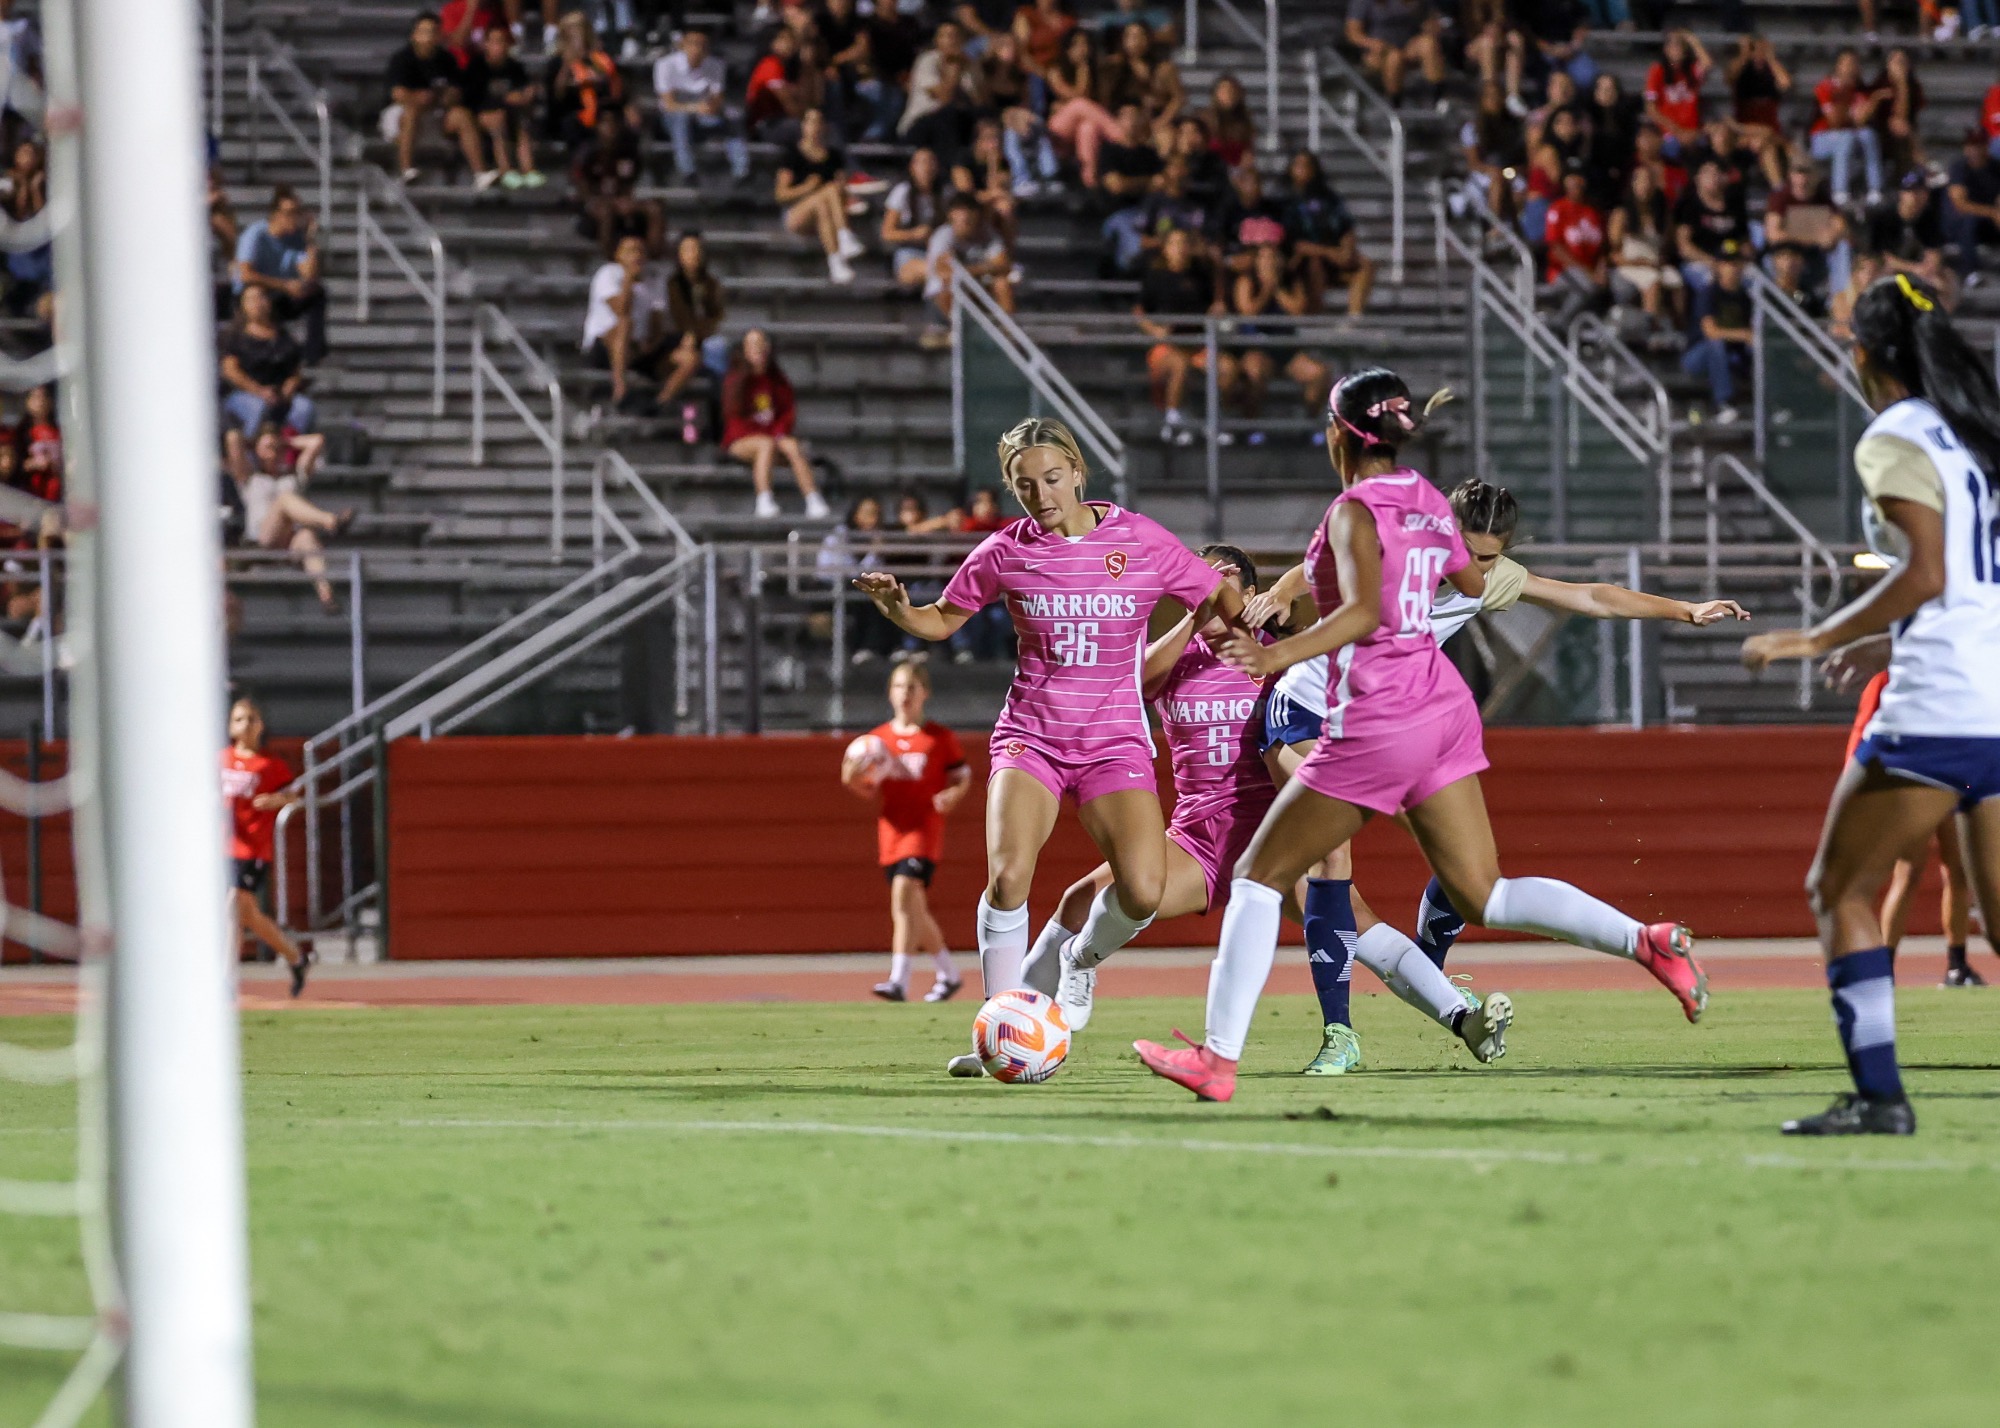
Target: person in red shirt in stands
pixel 465 23
pixel 758 412
pixel 1673 92
pixel 1989 120
pixel 1844 123
pixel 1574 235
pixel 918 769
pixel 254 786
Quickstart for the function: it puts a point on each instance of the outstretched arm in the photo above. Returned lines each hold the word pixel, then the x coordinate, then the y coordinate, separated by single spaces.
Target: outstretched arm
pixel 936 621
pixel 1615 602
pixel 1911 585
pixel 1358 562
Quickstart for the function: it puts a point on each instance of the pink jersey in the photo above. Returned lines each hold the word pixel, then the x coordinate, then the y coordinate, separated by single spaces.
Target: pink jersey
pixel 1080 607
pixel 1395 676
pixel 1212 716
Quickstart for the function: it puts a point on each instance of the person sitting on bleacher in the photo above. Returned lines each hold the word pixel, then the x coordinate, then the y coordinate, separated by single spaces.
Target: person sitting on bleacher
pixel 1723 340
pixel 265 371
pixel 967 241
pixel 910 215
pixel 782 88
pixel 1007 93
pixel 1800 216
pixel 947 93
pixel 1180 285
pixel 1843 122
pixel 604 177
pixel 1232 133
pixel 502 98
pixel 759 414
pixel 690 85
pixel 812 186
pixel 278 254
pixel 696 306
pixel 1973 215
pixel 1325 247
pixel 1573 235
pixel 984 174
pixel 1135 74
pixel 1705 223
pixel 582 83
pixel 1391 35
pixel 624 326
pixel 1907 233
pixel 424 80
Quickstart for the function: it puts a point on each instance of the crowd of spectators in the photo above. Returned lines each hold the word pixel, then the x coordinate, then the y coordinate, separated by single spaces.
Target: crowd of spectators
pixel 31 439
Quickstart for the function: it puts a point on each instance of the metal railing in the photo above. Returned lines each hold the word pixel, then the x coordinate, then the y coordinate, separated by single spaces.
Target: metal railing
pixel 1266 39
pixel 549 433
pixel 1657 410
pixel 213 10
pixel 270 62
pixel 372 190
pixel 970 301
pixel 1390 161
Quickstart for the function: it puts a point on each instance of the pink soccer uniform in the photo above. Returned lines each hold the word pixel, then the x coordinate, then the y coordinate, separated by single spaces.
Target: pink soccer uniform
pixel 1400 723
pixel 1212 716
pixel 1074 718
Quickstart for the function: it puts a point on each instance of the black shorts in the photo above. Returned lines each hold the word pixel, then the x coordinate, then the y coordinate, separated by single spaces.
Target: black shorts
pixel 249 874
pixel 921 869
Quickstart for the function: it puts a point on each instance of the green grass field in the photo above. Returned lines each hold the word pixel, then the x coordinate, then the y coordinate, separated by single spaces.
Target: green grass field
pixel 776 1214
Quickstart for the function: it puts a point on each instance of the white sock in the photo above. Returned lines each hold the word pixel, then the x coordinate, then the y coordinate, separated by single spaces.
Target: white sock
pixel 1003 942
pixel 1043 969
pixel 1106 929
pixel 899 968
pixel 947 969
pixel 1553 909
pixel 1242 964
pixel 1408 972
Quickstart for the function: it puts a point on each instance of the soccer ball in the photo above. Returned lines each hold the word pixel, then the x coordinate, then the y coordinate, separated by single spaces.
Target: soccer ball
pixel 1021 1037
pixel 868 759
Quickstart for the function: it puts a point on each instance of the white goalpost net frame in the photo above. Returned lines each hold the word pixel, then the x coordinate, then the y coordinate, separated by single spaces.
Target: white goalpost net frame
pixel 159 1187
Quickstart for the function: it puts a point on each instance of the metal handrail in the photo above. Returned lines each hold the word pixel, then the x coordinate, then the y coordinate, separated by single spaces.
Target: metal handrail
pixel 1726 464
pixel 374 187
pixel 968 297
pixel 603 519
pixel 1812 339
pixel 1268 41
pixel 277 60
pixel 1524 256
pixel 1659 410
pixel 216 65
pixel 549 434
pixel 1390 162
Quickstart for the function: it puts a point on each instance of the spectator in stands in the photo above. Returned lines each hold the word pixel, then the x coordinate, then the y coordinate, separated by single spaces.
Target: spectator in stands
pixel 1840 308
pixel 1723 144
pixel 1901 109
pixel 1076 119
pixel 1128 164
pixel 1042 28
pixel 1545 171
pixel 1207 175
pixel 1136 74
pixel 912 212
pixel 31 271
pixel 1641 243
pixel 1800 217
pixel 1788 275
pixel 1758 84
pixel 278 253
pixel 696 306
pixel 1972 216
pixel 1496 153
pixel 1392 35
pixel 465 24
pixel 1573 236
pixel 1325 248
pixel 1232 133
pixel 38 445
pixel 1264 295
pixel 1908 232
pixel 812 186
pixel 502 97
pixel 265 371
pixel 1497 51
pixel 781 89
pixel 691 88
pixel 1673 91
pixel 1180 285
pixel 966 241
pixel 862 98
pixel 853 546
pixel 1843 123
pixel 1611 121
pixel 424 82
pixel 1007 93
pixel 1559 32
pixel 983 174
pixel 1989 120
pixel 583 83
pixel 1705 224
pixel 605 178
pixel 1723 339
pixel 947 93
pixel 277 516
pixel 913 517
pixel 1139 233
pixel 1244 221
pixel 759 412
pixel 624 327
pixel 1159 20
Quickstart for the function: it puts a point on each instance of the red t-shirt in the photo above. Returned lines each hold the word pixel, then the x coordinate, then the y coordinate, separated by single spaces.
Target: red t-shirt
pixel 1679 102
pixel 41 463
pixel 909 825
pixel 756 404
pixel 1836 105
pixel 1576 229
pixel 759 101
pixel 244 777
pixel 1989 113
pixel 485 15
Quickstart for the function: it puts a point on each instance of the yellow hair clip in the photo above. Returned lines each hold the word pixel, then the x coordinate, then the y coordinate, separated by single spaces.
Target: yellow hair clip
pixel 1914 294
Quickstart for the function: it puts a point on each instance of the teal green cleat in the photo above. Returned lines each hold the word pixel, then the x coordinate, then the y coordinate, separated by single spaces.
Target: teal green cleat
pixel 1463 980
pixel 1339 1053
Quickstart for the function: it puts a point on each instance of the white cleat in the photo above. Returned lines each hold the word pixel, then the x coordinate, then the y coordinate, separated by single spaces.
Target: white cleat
pixel 1076 991
pixel 1484 1029
pixel 966 1065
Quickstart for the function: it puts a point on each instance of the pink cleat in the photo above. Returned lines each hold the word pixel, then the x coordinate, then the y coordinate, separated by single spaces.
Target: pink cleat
pixel 1666 949
pixel 1210 1077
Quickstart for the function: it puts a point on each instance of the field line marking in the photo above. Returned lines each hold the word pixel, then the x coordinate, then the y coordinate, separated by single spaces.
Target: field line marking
pixel 1468 1155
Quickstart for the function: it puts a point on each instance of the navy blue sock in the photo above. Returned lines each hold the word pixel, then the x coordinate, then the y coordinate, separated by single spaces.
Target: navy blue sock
pixel 1330 939
pixel 1864 1008
pixel 1438 923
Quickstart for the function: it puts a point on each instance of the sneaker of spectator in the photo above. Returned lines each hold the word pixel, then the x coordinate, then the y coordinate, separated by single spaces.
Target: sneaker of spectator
pixel 1180 285
pixel 968 242
pixel 696 307
pixel 277 515
pixel 1758 84
pixel 624 324
pixel 1007 83
pixel 759 420
pixel 947 93
pixel 812 186
pixel 1972 212
pixel 1265 294
pixel 502 95
pixel 1898 118
pixel 1706 224
pixel 690 86
pixel 1573 236
pixel 604 177
pixel 1232 133
pixel 1673 92
pixel 1325 246
pixel 279 254
pixel 912 212
pixel 1135 73
pixel 1720 351
pixel 1076 120
pixel 1640 237
pixel 983 172
pixel 1391 37
pixel 583 83
pixel 265 371
pixel 425 82
pixel 1843 125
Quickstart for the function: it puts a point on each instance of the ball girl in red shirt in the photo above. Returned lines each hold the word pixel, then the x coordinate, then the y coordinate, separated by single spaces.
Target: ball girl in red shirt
pixel 254 786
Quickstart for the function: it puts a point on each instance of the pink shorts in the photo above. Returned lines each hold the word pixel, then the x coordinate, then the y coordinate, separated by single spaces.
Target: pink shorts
pixel 1216 839
pixel 1117 773
pixel 1395 770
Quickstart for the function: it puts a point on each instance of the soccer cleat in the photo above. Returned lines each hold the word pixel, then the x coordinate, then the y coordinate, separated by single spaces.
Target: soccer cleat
pixel 1339 1052
pixel 1962 977
pixel 1858 1115
pixel 1483 1028
pixel 966 1065
pixel 1210 1077
pixel 943 990
pixel 1075 991
pixel 891 992
pixel 1464 982
pixel 299 971
pixel 1666 949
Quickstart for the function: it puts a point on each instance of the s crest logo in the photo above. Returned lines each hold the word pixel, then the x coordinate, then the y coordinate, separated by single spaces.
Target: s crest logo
pixel 1114 564
pixel 1015 748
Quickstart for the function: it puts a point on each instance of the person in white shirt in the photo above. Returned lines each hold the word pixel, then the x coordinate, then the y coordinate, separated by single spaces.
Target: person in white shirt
pixel 690 84
pixel 625 326
pixel 965 238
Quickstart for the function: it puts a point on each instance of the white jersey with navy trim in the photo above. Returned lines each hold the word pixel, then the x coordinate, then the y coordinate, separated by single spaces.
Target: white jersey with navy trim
pixel 1944 672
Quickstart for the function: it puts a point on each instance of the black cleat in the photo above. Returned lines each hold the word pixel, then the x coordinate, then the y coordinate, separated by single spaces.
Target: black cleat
pixel 1961 977
pixel 891 992
pixel 1858 1115
pixel 299 971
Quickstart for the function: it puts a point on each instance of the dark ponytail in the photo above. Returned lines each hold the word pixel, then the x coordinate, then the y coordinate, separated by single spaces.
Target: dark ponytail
pixel 1246 568
pixel 1484 509
pixel 1901 325
pixel 1373 407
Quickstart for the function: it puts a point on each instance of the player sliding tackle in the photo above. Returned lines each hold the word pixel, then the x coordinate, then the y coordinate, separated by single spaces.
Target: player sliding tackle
pixel 1402 735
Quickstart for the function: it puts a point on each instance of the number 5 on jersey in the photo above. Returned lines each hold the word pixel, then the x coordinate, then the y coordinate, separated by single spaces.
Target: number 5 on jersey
pixel 1076 642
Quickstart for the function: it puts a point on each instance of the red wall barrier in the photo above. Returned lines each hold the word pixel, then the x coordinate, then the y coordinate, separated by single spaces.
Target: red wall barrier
pixel 627 847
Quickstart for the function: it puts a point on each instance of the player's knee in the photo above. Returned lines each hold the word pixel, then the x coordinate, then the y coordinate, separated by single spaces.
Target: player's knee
pixel 1007 884
pixel 1140 896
